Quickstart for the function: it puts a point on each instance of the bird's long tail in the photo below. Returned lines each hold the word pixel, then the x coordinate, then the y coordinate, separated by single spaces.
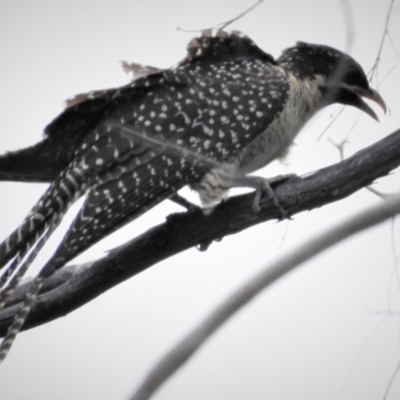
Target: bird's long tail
pixel 22 246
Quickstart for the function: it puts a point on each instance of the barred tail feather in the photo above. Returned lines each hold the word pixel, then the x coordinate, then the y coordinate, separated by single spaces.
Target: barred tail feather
pixel 32 246
pixel 54 200
pixel 33 291
pixel 20 317
pixel 21 269
pixel 27 251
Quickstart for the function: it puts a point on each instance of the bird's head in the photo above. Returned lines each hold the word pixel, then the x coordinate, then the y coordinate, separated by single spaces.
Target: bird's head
pixel 340 78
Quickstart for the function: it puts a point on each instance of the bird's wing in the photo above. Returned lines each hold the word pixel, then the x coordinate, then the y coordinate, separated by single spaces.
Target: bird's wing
pixel 204 112
pixel 45 160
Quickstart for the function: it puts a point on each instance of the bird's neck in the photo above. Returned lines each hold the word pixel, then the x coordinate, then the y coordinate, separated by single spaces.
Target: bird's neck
pixel 303 102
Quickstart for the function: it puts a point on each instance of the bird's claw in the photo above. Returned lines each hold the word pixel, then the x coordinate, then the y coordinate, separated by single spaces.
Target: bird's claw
pixel 261 186
pixel 265 188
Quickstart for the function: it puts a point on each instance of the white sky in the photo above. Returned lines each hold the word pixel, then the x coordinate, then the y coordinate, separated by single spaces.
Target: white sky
pixel 312 336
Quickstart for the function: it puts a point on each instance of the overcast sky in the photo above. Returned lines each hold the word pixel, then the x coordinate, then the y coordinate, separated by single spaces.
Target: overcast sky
pixel 315 335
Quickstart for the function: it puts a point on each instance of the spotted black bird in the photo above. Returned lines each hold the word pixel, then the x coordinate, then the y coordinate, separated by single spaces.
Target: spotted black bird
pixel 226 110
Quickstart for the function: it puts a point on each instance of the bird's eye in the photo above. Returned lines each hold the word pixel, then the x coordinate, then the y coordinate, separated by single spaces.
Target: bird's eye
pixel 355 76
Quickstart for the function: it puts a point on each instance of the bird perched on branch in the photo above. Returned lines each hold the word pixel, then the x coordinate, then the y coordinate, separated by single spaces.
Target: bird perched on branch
pixel 226 110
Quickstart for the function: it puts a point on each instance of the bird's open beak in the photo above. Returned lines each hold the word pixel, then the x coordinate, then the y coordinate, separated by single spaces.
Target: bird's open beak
pixel 370 94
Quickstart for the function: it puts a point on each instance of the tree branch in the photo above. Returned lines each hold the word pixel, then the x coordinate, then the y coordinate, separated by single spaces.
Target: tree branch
pixel 185 230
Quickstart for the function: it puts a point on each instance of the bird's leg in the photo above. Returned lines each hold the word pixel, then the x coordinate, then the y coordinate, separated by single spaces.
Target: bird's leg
pixel 176 198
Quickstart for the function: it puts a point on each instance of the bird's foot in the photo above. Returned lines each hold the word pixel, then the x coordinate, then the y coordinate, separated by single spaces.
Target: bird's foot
pixel 264 186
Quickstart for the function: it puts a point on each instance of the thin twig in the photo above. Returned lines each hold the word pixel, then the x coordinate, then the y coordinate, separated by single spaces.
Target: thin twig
pixel 223 25
pixel 339 146
pixel 391 381
pixel 379 193
pixel 375 68
pixel 394 46
pixel 361 352
pixel 333 120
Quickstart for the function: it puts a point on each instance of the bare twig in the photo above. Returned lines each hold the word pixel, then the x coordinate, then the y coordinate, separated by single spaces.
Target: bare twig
pixel 394 46
pixel 361 351
pixel 350 36
pixel 231 21
pixel 378 193
pixel 331 122
pixel 391 380
pixel 339 146
pixel 223 25
pixel 375 68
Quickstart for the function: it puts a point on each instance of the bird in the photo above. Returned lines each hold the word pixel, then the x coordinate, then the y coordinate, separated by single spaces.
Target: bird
pixel 223 112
